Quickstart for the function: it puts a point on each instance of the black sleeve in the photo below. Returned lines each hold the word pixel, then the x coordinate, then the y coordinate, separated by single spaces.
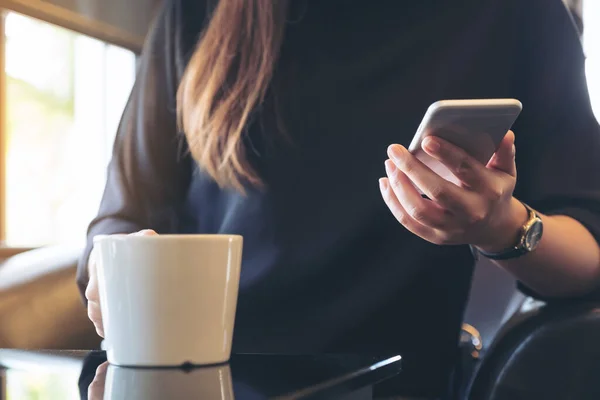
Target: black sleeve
pixel 150 169
pixel 558 137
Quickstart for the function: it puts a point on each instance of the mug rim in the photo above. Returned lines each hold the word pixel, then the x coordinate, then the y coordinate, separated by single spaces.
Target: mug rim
pixel 170 236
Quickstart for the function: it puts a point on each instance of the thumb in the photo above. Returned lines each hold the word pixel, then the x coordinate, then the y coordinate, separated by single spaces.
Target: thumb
pixel 145 232
pixel 504 158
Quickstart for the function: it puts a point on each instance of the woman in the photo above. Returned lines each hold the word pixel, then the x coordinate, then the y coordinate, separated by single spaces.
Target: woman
pixel 288 109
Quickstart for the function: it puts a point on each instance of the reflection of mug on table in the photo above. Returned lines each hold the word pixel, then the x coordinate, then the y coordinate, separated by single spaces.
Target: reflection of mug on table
pixel 161 384
pixel 170 299
pixel 120 383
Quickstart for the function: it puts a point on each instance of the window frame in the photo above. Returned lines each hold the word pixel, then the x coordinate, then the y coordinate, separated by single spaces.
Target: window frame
pixel 2 127
pixel 71 20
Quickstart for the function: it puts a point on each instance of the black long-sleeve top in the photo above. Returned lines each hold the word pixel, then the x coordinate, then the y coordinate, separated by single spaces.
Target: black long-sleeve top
pixel 326 268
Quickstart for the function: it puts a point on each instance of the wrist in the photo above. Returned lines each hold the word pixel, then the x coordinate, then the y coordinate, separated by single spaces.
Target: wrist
pixel 504 234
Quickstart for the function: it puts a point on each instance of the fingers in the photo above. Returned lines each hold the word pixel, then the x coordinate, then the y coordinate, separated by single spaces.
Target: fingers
pixel 419 209
pixel 504 159
pixel 456 214
pixel 96 388
pixel 95 315
pixel 446 194
pixel 93 297
pixel 145 232
pixel 400 214
pixel 466 168
pixel 91 291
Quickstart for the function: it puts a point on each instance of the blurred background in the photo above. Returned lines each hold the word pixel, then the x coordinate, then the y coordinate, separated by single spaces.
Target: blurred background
pixel 64 91
pixel 66 70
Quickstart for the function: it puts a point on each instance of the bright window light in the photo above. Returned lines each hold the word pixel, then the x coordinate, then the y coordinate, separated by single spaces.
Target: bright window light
pixel 65 96
pixel 591 42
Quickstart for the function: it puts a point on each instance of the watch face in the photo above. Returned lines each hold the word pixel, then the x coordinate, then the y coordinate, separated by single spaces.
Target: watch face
pixel 534 235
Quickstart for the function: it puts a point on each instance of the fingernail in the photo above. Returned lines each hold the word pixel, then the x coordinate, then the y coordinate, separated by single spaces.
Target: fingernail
pixel 383 184
pixel 396 151
pixel 514 150
pixel 390 167
pixel 431 145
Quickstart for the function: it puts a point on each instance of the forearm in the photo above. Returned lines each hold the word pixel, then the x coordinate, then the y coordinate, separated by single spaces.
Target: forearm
pixel 566 263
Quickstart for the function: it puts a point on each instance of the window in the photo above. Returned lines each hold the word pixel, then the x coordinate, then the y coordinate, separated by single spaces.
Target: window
pixel 29 386
pixel 591 42
pixel 65 93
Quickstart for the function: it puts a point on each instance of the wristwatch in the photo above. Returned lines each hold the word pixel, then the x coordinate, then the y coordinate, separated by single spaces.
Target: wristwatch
pixel 529 238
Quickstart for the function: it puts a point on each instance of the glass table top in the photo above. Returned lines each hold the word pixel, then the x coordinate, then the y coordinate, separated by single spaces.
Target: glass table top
pixel 86 375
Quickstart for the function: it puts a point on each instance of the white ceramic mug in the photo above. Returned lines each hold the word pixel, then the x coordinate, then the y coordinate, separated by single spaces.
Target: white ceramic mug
pixel 168 300
pixel 169 383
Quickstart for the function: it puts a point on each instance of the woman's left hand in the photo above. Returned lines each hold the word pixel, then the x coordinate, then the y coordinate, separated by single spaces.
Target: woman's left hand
pixel 481 211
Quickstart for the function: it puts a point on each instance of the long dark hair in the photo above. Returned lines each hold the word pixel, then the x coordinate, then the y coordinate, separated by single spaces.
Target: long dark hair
pixel 226 79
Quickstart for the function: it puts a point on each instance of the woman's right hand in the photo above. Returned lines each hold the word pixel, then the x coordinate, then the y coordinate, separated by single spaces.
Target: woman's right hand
pixel 91 292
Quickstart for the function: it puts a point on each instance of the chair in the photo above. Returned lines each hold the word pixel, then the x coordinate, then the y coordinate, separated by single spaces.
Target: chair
pixel 493 300
pixel 515 347
pixel 40 305
pixel 548 352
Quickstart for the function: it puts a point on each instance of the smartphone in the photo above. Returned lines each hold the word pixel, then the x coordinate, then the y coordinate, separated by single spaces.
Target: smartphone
pixel 477 126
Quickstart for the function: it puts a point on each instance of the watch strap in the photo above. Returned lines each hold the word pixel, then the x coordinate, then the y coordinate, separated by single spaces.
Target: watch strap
pixel 507 254
pixel 519 249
